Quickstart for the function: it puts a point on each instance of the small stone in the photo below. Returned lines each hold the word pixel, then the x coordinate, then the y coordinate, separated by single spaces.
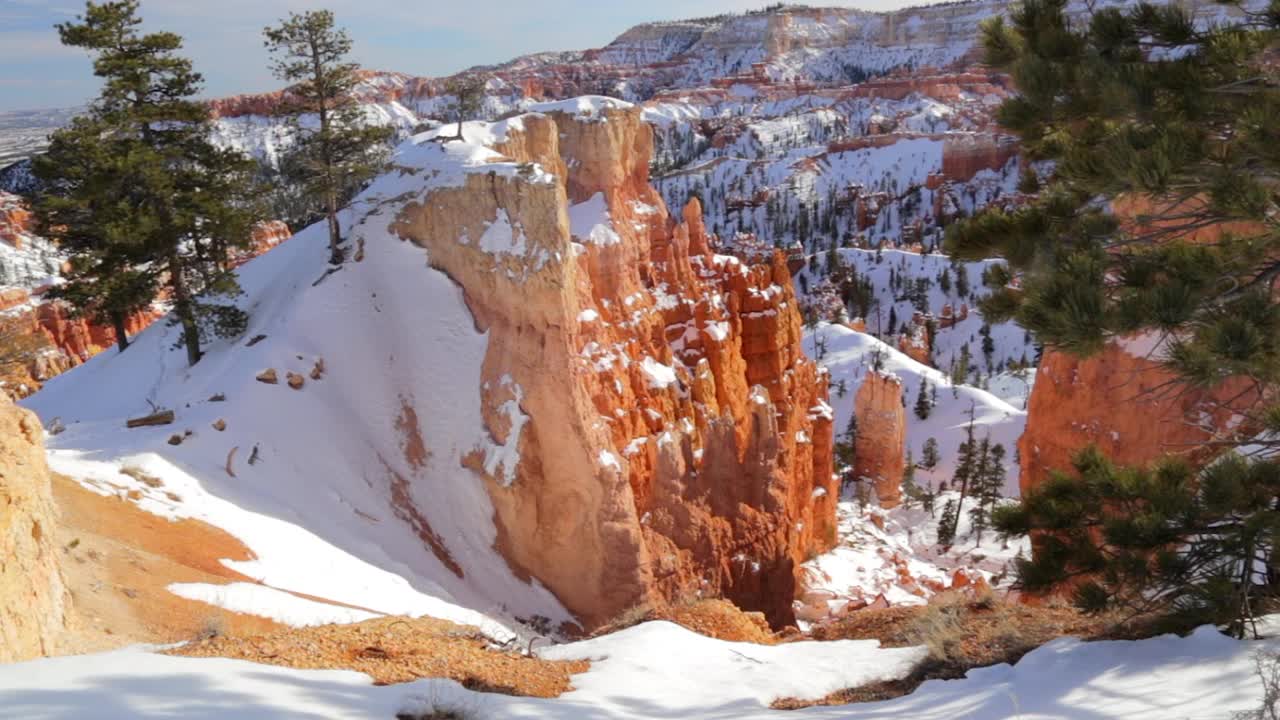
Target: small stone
pixel 295 380
pixel 219 424
pixel 317 371
pixel 175 439
pixel 268 376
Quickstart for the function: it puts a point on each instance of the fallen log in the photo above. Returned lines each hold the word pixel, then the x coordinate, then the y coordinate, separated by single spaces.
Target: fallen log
pixel 163 417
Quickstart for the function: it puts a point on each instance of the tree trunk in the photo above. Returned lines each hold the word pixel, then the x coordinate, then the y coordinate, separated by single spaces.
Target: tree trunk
pixel 459 137
pixel 335 236
pixel 122 335
pixel 183 306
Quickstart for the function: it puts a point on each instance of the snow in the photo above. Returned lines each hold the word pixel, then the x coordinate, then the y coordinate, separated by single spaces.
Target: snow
pixel 848 355
pixel 608 460
pixel 590 223
pixel 658 375
pixel 586 106
pixel 865 563
pixel 270 603
pixel 324 507
pixel 657 670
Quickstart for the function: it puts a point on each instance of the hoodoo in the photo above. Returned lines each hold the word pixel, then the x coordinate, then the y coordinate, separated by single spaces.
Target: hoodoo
pixel 656 431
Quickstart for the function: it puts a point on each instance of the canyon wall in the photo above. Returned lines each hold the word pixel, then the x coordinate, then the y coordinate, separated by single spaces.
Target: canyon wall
pixel 34 602
pixel 673 441
pixel 1125 403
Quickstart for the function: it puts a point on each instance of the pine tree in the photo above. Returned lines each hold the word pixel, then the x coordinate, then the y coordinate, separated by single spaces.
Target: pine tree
pixel 923 405
pixel 1195 547
pixel 106 278
pixel 1190 135
pixel 177 203
pixel 968 463
pixel 468 97
pixel 845 453
pixel 333 159
pixel 910 490
pixel 929 454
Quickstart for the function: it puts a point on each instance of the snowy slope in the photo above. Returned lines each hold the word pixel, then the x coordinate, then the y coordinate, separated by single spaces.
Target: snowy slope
pixel 849 354
pixel 656 670
pixel 1012 343
pixel 336 505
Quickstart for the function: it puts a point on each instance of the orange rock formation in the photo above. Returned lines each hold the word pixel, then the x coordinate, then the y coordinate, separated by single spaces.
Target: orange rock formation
pixel 34 602
pixel 1123 402
pixel 882 433
pixel 674 440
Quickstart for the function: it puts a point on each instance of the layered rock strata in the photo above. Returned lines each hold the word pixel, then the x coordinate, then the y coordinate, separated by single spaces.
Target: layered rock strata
pixel 882 433
pixel 673 441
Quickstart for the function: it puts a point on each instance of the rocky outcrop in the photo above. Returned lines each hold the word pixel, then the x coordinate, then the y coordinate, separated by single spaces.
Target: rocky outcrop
pixel 1126 404
pixel 34 603
pixel 673 440
pixel 15 220
pixel 880 444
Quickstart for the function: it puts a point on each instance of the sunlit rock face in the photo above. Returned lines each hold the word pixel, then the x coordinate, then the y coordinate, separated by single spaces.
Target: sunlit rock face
pixel 666 436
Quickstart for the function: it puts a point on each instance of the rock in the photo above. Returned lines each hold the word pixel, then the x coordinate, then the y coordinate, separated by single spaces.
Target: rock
pixel 176 439
pixel 219 424
pixel 295 380
pixel 268 376
pixel 1127 405
pixel 713 474
pixel 880 445
pixel 317 371
pixel 34 602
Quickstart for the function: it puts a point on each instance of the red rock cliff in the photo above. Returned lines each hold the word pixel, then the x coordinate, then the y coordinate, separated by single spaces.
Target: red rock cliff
pixel 1123 402
pixel 678 443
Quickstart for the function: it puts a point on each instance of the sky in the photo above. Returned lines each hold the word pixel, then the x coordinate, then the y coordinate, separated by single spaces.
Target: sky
pixel 419 37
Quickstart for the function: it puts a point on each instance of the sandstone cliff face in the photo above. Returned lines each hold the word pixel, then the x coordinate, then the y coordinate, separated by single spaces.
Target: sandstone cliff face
pixel 1124 403
pixel 34 602
pixel 671 439
pixel 882 433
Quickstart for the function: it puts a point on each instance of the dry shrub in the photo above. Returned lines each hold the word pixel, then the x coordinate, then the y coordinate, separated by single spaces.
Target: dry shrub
pixel 214 626
pixel 150 481
pixel 940 628
pixel 634 615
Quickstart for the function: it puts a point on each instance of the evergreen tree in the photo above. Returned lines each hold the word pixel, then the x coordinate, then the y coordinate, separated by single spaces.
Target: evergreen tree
pixel 988 486
pixel 166 203
pixel 1142 104
pixel 333 159
pixel 923 404
pixel 968 463
pixel 929 454
pixel 910 490
pixel 468 93
pixel 105 278
pixel 1195 547
pixel 845 454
